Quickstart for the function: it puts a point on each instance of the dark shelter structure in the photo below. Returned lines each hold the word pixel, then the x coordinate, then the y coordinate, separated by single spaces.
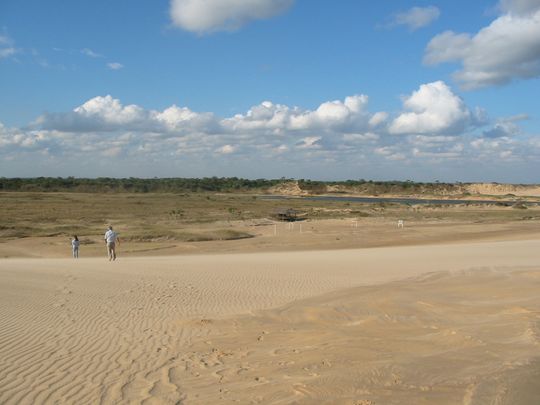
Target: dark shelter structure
pixel 286 214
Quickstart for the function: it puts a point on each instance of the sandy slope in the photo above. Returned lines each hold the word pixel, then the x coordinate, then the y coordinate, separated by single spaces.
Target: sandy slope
pixel 350 326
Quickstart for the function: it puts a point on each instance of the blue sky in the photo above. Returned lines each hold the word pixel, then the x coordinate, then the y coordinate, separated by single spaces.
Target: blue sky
pixel 426 90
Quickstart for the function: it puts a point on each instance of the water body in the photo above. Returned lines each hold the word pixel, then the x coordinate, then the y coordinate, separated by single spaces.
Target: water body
pixel 409 201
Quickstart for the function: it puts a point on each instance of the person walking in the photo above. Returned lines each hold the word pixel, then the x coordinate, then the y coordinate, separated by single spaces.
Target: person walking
pixel 75 246
pixel 111 239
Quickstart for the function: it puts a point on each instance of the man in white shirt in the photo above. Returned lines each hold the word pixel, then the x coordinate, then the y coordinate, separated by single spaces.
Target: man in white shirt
pixel 111 238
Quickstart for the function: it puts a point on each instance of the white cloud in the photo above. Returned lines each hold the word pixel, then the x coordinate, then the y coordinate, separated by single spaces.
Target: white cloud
pixel 417 17
pixel 504 148
pixel 432 141
pixel 14 140
pixel 7 47
pixel 222 15
pixel 281 149
pixel 416 152
pixel 309 142
pixel 91 53
pixel 491 144
pixel 106 114
pixel 349 113
pixel 397 156
pixel 109 110
pixel 178 118
pixel 433 109
pixel 384 150
pixel 346 115
pixel 276 136
pixel 390 153
pixel 115 66
pixel 226 150
pixel 506 127
pixel 7 52
pixel 366 137
pixel 507 49
pixel 378 118
pixel 266 115
pixel 519 6
pixel 112 152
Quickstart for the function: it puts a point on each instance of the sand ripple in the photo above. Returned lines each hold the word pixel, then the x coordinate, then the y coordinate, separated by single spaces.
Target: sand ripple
pixel 262 327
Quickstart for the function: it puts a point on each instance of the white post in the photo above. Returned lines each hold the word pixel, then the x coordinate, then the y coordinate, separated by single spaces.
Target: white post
pixel 300 228
pixel 275 229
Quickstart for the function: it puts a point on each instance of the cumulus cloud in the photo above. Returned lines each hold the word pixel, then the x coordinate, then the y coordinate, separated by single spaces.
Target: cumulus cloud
pixel 349 114
pixel 507 49
pixel 416 17
pixel 107 114
pixel 506 127
pixel 378 118
pixel 178 119
pixel 266 115
pixel 97 114
pixel 432 110
pixel 436 126
pixel 15 140
pixel 109 110
pixel 266 120
pixel 222 15
pixel 503 148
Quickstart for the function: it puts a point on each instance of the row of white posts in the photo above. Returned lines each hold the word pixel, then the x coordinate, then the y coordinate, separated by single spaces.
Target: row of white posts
pixel 290 227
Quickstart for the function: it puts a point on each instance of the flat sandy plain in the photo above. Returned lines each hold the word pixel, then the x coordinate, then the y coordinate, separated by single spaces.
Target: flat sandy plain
pixel 440 312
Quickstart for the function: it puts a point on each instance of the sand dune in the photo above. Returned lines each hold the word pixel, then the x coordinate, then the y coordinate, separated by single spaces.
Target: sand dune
pixel 439 324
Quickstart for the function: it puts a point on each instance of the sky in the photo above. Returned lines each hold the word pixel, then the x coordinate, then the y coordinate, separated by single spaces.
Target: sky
pixel 306 89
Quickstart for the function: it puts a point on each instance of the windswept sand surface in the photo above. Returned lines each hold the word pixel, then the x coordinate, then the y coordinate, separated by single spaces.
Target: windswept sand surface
pixel 444 324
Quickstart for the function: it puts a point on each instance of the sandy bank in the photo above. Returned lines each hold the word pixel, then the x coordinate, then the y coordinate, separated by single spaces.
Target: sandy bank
pixel 230 327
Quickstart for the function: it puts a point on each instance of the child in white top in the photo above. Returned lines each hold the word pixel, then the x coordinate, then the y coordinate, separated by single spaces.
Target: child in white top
pixel 75 246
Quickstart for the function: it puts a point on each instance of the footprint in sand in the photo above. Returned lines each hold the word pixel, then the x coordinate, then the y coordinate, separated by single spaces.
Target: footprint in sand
pixel 224 374
pixel 300 389
pixel 242 370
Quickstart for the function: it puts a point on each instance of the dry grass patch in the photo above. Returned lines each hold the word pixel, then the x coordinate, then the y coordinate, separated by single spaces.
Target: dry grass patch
pixel 202 216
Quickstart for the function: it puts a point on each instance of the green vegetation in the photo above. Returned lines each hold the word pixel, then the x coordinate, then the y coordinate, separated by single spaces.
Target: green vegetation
pixel 133 185
pixel 214 184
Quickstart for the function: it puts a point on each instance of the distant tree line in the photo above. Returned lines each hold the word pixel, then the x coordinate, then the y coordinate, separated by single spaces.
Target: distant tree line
pixel 379 187
pixel 132 184
pixel 210 184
